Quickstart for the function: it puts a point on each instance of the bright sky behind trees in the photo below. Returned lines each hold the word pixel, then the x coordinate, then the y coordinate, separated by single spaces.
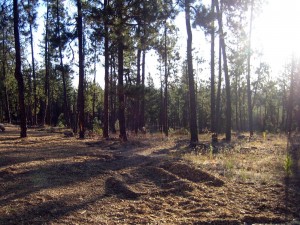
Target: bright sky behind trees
pixel 276 34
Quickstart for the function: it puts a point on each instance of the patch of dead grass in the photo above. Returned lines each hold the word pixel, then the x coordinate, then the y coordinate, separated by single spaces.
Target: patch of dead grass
pixel 258 160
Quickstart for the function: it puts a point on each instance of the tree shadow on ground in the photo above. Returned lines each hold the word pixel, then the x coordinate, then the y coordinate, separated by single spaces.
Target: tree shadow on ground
pixel 292 189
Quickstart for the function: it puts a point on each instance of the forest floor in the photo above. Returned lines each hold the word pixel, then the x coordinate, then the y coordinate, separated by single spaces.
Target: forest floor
pixel 49 178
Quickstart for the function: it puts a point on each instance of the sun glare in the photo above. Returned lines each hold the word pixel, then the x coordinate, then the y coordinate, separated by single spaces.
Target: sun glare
pixel 277 32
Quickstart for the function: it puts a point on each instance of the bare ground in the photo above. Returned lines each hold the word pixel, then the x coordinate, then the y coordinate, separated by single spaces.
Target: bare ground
pixel 48 178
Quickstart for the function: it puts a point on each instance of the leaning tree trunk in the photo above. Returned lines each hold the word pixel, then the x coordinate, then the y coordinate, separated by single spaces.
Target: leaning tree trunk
pixel 227 80
pixel 192 97
pixel 18 72
pixel 80 99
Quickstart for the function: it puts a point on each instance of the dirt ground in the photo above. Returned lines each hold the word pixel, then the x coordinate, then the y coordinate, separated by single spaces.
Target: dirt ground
pixel 50 178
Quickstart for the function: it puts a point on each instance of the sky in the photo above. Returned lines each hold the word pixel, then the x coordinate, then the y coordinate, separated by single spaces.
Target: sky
pixel 276 33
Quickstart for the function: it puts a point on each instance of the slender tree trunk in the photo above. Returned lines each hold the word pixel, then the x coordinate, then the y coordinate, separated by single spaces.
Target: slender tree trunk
pixel 122 121
pixel 62 70
pixel 212 74
pixel 29 105
pixel 18 72
pixel 113 96
pixel 237 117
pixel 161 113
pixel 138 83
pixel 250 112
pixel 46 97
pixel 193 113
pixel 291 98
pixel 218 104
pixel 283 106
pixel 106 71
pixel 7 108
pixel 166 124
pixel 34 78
pixel 142 111
pixel 94 84
pixel 227 79
pixel 80 103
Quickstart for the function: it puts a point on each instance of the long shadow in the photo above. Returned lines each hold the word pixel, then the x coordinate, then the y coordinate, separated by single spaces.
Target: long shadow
pixel 19 186
pixel 16 185
pixel 48 211
pixel 292 188
pixel 59 175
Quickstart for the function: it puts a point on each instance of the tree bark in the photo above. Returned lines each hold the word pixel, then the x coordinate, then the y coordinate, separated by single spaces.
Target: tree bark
pixel 80 103
pixel 249 74
pixel 7 107
pixel 18 72
pixel 62 70
pixel 142 111
pixel 33 77
pixel 291 98
pixel 46 97
pixel 212 74
pixel 227 79
pixel 192 97
pixel 106 71
pixel 138 83
pixel 122 121
pixel 218 104
pixel 165 124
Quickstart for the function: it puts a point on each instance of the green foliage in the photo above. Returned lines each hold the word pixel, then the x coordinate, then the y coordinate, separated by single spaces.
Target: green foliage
pixel 61 121
pixel 181 131
pixel 288 162
pixel 97 126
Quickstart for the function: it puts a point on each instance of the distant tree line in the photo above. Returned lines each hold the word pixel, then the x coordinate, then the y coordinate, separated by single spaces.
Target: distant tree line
pixel 238 94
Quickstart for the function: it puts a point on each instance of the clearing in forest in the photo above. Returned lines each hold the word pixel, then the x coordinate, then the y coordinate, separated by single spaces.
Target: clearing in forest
pixel 49 178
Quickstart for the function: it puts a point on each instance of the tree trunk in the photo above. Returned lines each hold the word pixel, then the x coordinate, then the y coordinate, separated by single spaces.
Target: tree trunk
pixel 80 103
pixel 45 100
pixel 193 113
pixel 142 111
pixel 34 79
pixel 62 69
pixel 106 71
pixel 138 83
pixel 250 112
pixel 165 124
pixel 7 108
pixel 18 72
pixel 218 104
pixel 29 105
pixel 122 121
pixel 94 83
pixel 291 99
pixel 227 79
pixel 212 74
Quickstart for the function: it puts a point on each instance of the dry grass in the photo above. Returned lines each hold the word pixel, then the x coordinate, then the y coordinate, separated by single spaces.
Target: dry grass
pixel 256 161
pixel 50 178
